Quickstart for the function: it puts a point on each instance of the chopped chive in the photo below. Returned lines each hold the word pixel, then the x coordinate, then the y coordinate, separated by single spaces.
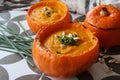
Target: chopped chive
pixel 48 14
pixel 58 52
pixel 75 35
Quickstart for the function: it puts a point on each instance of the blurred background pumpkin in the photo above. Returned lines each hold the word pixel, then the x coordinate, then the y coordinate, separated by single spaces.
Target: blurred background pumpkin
pixel 104 20
pixel 46 12
pixel 65 49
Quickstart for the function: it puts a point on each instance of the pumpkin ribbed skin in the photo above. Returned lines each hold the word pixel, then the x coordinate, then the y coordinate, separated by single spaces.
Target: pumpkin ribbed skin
pixel 110 21
pixel 63 65
pixel 107 38
pixel 106 28
pixel 35 26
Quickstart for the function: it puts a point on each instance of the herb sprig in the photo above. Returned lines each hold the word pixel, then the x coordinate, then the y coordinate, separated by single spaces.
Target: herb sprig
pixel 67 41
pixel 14 42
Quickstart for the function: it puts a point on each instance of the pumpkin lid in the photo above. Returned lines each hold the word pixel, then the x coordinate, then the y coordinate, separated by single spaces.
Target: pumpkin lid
pixel 104 17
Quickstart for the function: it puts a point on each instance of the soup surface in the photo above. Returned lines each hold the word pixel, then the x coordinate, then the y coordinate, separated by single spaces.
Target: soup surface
pixel 47 14
pixel 70 41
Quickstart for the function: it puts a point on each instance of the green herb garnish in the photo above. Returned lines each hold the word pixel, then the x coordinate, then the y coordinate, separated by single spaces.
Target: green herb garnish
pixel 67 41
pixel 58 52
pixel 47 12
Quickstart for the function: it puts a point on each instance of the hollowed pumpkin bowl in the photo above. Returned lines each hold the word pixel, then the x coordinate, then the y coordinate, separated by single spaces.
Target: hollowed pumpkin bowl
pixel 46 12
pixel 65 49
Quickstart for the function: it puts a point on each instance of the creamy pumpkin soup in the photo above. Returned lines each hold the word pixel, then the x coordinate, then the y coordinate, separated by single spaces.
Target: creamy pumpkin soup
pixel 47 14
pixel 70 41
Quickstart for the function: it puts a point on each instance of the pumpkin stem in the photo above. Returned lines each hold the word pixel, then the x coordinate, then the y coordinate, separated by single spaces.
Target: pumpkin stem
pixel 104 11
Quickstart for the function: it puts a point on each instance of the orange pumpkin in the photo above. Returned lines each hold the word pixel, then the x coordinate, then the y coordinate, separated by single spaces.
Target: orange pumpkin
pixel 46 12
pixel 57 59
pixel 104 20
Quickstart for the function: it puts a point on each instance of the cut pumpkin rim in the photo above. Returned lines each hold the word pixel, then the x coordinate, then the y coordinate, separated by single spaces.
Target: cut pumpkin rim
pixel 99 28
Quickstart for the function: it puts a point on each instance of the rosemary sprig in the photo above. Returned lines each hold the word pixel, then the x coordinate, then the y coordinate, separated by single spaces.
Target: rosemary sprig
pixel 14 42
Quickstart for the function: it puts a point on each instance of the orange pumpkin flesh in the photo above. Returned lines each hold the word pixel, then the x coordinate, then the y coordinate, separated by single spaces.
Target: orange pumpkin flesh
pixel 75 60
pixel 105 24
pixel 46 12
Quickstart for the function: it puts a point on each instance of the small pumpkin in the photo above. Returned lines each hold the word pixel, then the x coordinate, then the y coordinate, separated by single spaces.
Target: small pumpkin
pixel 64 49
pixel 105 22
pixel 46 12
